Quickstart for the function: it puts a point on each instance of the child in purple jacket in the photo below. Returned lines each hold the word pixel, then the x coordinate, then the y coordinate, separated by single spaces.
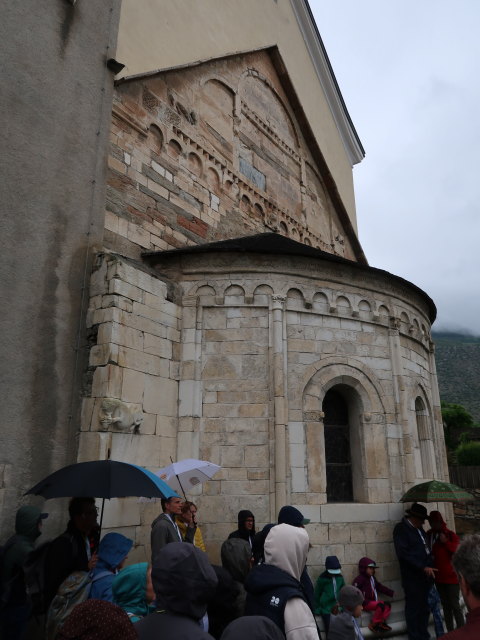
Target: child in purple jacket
pixel 370 587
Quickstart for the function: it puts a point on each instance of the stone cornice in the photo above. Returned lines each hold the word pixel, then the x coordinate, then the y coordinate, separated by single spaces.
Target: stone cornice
pixel 326 77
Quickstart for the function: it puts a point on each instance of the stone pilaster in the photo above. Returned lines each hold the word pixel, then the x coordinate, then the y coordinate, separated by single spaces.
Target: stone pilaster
pixel 401 405
pixel 280 409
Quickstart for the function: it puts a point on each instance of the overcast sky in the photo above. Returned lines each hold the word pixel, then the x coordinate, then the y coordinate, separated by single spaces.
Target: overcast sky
pixel 409 72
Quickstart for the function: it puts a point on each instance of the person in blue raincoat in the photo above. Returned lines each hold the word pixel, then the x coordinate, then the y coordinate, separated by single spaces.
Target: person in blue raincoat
pixel 112 553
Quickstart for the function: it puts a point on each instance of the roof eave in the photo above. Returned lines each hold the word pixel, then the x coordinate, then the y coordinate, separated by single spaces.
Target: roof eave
pixel 326 77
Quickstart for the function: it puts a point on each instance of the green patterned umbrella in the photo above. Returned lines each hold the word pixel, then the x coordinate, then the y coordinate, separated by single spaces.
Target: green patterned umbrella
pixel 436 491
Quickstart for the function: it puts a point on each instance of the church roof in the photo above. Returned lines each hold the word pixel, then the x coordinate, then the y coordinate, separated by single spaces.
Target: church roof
pixel 274 243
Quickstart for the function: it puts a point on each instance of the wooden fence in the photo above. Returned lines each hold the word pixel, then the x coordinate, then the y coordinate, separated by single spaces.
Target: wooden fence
pixel 466 477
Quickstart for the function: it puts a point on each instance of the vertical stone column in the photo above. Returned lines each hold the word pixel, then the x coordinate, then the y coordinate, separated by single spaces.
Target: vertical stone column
pixel 280 409
pixel 189 386
pixel 401 401
pixel 438 435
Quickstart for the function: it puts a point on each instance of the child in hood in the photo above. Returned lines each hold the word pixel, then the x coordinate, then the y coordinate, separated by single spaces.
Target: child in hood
pixel 371 587
pixel 132 590
pixel 327 589
pixel 112 554
pixel 246 527
pixel 344 626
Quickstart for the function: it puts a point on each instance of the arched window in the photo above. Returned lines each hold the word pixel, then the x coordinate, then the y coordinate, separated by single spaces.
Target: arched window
pixel 338 460
pixel 424 438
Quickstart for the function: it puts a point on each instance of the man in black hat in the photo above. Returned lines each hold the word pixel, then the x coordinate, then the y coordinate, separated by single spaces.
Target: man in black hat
pixel 416 569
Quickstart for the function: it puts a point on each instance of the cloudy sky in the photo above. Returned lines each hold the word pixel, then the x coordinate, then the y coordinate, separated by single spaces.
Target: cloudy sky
pixel 409 72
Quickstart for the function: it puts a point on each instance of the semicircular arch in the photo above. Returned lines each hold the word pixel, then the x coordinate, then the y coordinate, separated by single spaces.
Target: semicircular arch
pixel 329 372
pixel 255 75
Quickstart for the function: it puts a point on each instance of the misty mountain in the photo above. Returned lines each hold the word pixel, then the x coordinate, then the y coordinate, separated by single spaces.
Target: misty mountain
pixel 458 368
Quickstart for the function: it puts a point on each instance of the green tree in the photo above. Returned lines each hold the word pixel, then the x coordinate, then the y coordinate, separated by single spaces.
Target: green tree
pixel 468 454
pixel 456 420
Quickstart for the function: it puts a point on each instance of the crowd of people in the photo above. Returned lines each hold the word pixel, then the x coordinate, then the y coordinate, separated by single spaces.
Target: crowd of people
pixel 81 589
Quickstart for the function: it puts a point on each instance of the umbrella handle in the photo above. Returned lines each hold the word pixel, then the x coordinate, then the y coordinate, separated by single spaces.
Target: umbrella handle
pixel 183 490
pixel 101 519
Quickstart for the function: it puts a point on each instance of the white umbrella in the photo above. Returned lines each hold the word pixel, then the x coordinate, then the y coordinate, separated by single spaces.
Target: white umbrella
pixel 185 474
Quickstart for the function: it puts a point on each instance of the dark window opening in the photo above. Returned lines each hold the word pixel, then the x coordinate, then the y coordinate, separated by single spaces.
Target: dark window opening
pixel 337 448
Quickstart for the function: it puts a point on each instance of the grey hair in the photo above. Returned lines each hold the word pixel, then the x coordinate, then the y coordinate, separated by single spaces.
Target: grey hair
pixel 466 562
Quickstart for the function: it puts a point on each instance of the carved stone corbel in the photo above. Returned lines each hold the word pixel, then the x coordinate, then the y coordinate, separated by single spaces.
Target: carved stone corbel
pixel 115 415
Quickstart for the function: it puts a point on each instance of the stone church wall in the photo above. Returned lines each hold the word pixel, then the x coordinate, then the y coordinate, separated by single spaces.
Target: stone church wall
pixel 131 386
pixel 214 152
pixel 235 370
pixel 228 357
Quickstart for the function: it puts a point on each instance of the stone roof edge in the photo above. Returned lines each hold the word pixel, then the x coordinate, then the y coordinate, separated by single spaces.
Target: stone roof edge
pixel 241 245
pixel 189 65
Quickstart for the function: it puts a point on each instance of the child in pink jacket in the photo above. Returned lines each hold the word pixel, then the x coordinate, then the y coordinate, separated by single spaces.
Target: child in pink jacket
pixel 370 587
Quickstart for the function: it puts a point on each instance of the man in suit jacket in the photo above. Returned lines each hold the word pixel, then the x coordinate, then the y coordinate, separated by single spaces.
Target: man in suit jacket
pixel 416 570
pixel 164 528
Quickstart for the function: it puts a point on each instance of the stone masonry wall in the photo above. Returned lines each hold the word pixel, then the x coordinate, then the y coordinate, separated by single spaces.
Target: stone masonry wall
pixel 235 370
pixel 131 387
pixel 214 152
pixel 267 337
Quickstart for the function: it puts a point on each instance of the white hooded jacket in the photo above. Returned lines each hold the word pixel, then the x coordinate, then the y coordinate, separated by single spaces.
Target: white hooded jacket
pixel 286 547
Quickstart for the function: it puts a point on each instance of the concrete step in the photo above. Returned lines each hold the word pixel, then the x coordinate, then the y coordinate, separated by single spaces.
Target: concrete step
pixel 396 620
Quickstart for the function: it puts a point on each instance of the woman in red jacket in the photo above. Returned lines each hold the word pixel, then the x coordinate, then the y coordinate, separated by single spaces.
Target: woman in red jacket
pixel 443 543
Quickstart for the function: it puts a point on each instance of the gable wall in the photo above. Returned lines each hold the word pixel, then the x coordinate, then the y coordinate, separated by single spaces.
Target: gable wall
pixel 209 153
pixel 167 34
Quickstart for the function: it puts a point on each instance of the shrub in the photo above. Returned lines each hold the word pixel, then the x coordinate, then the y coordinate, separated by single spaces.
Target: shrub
pixel 468 454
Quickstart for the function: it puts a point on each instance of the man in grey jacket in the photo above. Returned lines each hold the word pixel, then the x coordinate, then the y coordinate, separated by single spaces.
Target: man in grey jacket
pixel 164 528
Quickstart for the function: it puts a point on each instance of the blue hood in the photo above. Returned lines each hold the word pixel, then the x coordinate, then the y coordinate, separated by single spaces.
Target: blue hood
pixel 112 550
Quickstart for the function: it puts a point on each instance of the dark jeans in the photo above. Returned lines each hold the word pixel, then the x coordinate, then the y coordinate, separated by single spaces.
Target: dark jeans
pixel 417 611
pixel 434 606
pixel 326 621
pixel 13 621
pixel 450 597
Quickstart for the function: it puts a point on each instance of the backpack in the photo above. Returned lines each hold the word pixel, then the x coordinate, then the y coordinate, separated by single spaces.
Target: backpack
pixel 73 590
pixel 34 571
pixel 7 586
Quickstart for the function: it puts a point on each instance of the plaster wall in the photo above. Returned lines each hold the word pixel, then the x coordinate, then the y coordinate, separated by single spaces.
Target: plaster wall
pixel 56 104
pixel 169 34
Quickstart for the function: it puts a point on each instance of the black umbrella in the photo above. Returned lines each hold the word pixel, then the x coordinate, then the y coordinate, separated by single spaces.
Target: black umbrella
pixel 102 479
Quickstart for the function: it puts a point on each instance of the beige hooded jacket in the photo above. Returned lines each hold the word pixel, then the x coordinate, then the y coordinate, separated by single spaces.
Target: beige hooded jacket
pixel 286 547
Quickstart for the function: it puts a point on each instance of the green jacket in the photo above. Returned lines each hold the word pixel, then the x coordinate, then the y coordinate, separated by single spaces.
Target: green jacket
pixel 17 549
pixel 325 598
pixel 129 591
